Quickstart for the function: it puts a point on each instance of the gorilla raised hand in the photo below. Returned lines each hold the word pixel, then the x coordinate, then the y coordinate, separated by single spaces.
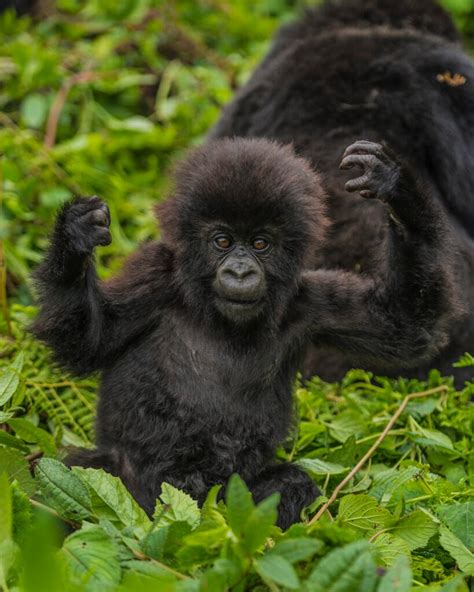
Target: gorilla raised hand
pixel 199 339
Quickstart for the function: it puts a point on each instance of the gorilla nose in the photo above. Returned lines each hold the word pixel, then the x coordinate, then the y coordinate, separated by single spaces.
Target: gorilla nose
pixel 240 280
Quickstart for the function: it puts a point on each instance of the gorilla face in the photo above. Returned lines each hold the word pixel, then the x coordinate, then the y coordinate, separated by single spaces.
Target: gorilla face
pixel 240 283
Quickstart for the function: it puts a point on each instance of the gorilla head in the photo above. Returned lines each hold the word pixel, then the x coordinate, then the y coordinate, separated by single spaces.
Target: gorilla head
pixel 245 217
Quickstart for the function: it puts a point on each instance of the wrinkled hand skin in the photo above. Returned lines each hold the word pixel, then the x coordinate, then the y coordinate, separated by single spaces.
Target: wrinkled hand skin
pixel 380 170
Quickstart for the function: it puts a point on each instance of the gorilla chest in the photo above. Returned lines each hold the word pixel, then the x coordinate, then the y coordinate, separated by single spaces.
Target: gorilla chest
pixel 213 374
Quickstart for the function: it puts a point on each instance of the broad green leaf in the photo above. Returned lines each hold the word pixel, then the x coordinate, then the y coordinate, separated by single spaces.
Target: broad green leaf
pixel 297 549
pixel 92 559
pixel 63 489
pixel 362 512
pixel 10 379
pixel 15 465
pixel 34 109
pixel 277 569
pixel 415 529
pixel 321 467
pixel 9 440
pixel 347 569
pixel 387 482
pixel 113 493
pixel 30 433
pixel 178 507
pixel 260 523
pixel 460 520
pixel 458 551
pixel 239 504
pixel 398 578
pixel 347 424
pixel 390 548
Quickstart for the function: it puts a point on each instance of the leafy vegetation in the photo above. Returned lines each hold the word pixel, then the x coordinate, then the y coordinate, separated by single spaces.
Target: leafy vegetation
pixel 100 98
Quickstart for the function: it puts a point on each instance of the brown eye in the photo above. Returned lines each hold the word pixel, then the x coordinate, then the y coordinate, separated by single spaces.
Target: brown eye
pixel 260 244
pixel 223 242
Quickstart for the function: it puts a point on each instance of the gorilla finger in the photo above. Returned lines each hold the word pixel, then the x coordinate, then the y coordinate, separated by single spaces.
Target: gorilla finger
pixel 102 236
pixel 357 184
pixel 367 193
pixel 360 160
pixel 364 146
pixel 95 218
pixel 105 208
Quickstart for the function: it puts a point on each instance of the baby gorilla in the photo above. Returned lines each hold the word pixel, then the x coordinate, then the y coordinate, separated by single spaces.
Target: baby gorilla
pixel 199 338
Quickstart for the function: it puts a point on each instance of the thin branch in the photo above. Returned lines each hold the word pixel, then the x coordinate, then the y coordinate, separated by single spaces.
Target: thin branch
pixel 374 447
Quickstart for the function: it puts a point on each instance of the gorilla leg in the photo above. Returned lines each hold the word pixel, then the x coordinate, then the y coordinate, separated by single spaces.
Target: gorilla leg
pixel 295 487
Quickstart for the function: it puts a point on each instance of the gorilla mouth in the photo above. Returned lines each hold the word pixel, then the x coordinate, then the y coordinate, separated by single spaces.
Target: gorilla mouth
pixel 235 303
pixel 239 310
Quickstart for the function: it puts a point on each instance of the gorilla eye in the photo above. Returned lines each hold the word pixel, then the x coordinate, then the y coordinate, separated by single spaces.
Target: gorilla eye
pixel 260 244
pixel 223 242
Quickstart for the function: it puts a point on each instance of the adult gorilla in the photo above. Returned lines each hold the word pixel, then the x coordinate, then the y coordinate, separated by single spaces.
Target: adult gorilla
pixel 392 72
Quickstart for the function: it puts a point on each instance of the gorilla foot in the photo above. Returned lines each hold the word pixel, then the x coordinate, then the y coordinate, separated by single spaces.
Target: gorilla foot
pixel 295 487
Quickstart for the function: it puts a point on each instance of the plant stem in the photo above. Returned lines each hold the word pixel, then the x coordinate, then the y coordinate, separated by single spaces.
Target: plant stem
pixel 374 447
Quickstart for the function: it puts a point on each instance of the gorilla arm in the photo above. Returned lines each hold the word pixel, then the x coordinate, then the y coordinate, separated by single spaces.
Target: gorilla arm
pixel 401 317
pixel 87 322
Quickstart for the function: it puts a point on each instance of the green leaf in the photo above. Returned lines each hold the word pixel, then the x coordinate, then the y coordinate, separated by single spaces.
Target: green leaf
pixel 239 504
pixel 34 435
pixel 178 507
pixel 92 559
pixel 17 468
pixel 63 489
pixel 260 524
pixel 387 482
pixel 415 529
pixel 398 578
pixel 34 109
pixel 458 551
pixel 6 516
pixel 464 361
pixel 10 379
pixel 275 568
pixel 54 197
pixel 362 512
pixel 7 547
pixel 297 549
pixel 347 569
pixel 460 519
pixel 116 497
pixel 7 439
pixel 390 548
pixel 317 466
pixel 347 424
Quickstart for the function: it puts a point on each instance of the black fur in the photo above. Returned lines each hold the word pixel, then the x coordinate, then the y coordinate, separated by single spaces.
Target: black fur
pixel 192 392
pixel 374 69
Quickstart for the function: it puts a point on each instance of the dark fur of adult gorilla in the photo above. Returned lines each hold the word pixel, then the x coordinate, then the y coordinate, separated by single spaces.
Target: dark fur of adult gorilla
pixel 199 339
pixel 386 71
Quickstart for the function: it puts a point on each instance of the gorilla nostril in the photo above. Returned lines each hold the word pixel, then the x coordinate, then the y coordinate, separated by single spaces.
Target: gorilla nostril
pixel 242 274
